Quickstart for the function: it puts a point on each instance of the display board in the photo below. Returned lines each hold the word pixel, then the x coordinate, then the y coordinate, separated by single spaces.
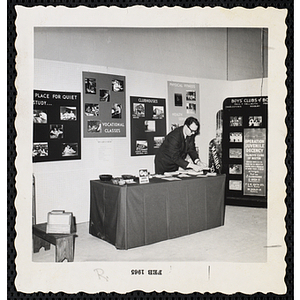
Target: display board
pixel 56 126
pixel 183 102
pixel 148 124
pixel 104 110
pixel 244 148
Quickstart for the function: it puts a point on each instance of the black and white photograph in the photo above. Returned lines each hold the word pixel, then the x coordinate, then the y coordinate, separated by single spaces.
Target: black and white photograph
pixel 149 126
pixel 255 121
pixel 235 152
pixel 68 113
pixel 104 95
pixel 40 149
pixel 235 185
pixel 69 149
pixel 236 137
pixel 191 108
pixel 178 99
pixel 236 121
pixel 117 85
pixel 190 96
pixel 91 109
pixel 158 140
pixel 138 110
pixel 158 112
pixel 40 116
pixel 235 169
pixel 190 228
pixel 141 147
pixel 116 111
pixel 56 131
pixel 90 86
pixel 94 126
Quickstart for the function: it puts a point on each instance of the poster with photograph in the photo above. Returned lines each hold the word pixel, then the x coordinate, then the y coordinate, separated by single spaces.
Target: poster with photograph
pixel 68 113
pixel 104 95
pixel 105 109
pixel 117 85
pixel 235 153
pixel 235 185
pixel 91 109
pixel 138 110
pixel 245 129
pixel 56 131
pixel 40 116
pixel 56 121
pixel 183 103
pixel 116 111
pixel 69 149
pixel 158 140
pixel 141 147
pixel 158 112
pixel 40 149
pixel 178 99
pixel 191 108
pixel 236 137
pixel 255 121
pixel 148 124
pixel 190 95
pixel 235 169
pixel 236 121
pixel 255 161
pixel 90 85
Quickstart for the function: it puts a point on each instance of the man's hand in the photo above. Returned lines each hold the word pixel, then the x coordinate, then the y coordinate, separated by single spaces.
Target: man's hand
pixel 201 164
pixel 195 167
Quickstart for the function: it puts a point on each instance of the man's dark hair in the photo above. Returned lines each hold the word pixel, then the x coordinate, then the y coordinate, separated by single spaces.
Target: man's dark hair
pixel 190 120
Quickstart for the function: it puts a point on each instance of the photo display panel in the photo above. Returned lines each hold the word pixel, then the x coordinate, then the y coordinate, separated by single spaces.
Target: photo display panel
pixel 148 124
pixel 244 148
pixel 183 102
pixel 56 126
pixel 104 110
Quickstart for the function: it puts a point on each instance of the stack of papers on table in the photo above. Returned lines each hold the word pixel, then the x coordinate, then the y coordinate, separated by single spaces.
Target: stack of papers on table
pixel 211 174
pixel 184 175
pixel 171 178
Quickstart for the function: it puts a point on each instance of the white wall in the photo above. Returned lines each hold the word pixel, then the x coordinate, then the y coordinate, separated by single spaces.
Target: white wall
pixel 65 184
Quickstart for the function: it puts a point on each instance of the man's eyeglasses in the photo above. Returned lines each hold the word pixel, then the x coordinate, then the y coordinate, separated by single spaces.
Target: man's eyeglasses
pixel 192 131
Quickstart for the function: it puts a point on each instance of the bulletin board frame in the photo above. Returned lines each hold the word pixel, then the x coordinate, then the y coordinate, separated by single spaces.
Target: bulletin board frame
pixel 183 102
pixel 56 126
pixel 148 124
pixel 245 150
pixel 104 105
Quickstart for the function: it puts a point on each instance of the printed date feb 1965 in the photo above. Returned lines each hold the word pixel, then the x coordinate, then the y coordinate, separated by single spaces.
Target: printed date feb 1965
pixel 142 272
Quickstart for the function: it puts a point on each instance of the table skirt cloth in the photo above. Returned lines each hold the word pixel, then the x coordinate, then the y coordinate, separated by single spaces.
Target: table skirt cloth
pixel 140 214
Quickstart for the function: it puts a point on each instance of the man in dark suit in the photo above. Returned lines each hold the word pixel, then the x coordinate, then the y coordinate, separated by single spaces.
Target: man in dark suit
pixel 177 145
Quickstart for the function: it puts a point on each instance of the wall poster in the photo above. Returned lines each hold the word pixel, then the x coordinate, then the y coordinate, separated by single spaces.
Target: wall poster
pixel 183 102
pixel 56 126
pixel 255 161
pixel 148 124
pixel 104 111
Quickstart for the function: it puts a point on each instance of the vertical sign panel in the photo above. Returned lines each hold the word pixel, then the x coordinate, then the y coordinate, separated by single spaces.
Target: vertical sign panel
pixel 255 161
pixel 148 124
pixel 104 113
pixel 56 126
pixel 183 102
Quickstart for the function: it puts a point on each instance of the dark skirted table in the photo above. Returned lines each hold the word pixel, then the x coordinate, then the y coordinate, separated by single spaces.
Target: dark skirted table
pixel 140 214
